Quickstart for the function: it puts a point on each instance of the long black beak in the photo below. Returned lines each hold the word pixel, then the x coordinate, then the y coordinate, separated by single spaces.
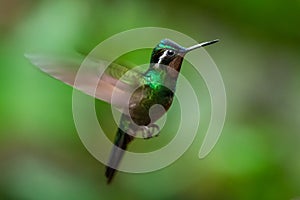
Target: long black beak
pixel 203 44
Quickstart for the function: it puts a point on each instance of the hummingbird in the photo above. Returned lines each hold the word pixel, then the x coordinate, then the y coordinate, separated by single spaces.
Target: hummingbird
pixel 156 86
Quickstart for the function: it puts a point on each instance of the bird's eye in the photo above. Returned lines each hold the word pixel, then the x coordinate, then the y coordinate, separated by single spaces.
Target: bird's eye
pixel 170 53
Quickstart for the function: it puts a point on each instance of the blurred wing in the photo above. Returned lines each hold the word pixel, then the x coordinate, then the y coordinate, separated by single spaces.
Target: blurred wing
pixel 130 76
pixel 90 80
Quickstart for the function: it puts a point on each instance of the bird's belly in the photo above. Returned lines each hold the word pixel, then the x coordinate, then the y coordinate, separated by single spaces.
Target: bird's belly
pixel 143 109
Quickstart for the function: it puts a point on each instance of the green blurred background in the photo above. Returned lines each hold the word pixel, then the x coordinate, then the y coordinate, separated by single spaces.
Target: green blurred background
pixel 257 156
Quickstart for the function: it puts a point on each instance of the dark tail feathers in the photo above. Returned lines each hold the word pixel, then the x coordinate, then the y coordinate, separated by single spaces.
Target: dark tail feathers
pixel 121 141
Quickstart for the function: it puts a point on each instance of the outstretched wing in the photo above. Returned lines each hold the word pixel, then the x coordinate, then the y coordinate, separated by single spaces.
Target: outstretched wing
pixel 93 78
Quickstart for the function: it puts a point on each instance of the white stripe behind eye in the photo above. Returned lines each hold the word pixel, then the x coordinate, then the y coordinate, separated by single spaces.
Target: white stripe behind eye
pixel 162 56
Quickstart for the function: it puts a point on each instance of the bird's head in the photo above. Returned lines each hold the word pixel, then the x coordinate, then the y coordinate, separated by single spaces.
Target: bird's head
pixel 169 54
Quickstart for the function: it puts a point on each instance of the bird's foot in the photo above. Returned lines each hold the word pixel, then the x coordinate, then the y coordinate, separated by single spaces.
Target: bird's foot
pixel 148 131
